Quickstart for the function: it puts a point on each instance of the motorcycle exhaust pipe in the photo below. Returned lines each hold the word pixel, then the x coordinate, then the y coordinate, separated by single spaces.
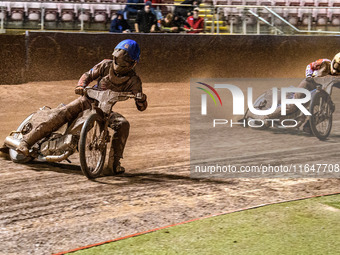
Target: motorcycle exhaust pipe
pixel 56 158
pixel 12 142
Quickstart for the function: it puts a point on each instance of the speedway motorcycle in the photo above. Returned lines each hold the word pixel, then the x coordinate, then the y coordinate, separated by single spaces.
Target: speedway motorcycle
pixel 320 106
pixel 88 134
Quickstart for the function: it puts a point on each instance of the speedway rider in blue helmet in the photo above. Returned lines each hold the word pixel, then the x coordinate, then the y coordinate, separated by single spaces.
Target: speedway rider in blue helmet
pixel 117 75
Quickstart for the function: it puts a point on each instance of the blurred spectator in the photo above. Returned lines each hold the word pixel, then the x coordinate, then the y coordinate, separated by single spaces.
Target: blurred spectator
pixel 168 24
pixel 156 9
pixel 196 23
pixel 119 24
pixel 184 10
pixel 180 22
pixel 154 2
pixel 146 21
pixel 132 9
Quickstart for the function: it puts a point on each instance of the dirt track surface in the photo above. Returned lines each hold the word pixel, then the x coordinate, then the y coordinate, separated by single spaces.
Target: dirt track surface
pixel 49 208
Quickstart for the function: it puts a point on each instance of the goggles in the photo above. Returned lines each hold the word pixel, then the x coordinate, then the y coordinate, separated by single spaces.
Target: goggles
pixel 336 67
pixel 122 58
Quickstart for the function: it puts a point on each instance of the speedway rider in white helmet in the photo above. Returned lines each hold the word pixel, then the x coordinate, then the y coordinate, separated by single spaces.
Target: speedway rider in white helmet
pixel 318 68
pixel 335 65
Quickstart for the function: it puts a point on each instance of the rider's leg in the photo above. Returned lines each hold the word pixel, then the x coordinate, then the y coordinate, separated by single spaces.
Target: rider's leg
pixel 308 84
pixel 290 108
pixel 56 118
pixel 121 129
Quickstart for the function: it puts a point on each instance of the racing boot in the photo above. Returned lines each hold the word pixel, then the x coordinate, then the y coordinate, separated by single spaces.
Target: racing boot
pixel 117 168
pixel 23 148
pixel 306 128
pixel 121 129
pixel 114 167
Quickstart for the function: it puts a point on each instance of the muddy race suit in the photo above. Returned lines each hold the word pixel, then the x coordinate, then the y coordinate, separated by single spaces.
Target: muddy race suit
pixel 308 84
pixel 318 68
pixel 107 79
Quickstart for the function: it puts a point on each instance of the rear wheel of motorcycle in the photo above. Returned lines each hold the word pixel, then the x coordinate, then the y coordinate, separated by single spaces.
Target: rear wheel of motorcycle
pixel 13 154
pixel 92 147
pixel 321 109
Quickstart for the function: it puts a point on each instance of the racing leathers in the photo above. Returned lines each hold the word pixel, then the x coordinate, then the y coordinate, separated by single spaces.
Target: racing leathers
pixel 318 68
pixel 308 84
pixel 106 79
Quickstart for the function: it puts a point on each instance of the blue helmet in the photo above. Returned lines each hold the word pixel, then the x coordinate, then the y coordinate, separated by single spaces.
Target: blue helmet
pixel 131 47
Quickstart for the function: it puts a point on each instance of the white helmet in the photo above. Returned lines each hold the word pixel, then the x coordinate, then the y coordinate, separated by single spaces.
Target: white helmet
pixel 335 65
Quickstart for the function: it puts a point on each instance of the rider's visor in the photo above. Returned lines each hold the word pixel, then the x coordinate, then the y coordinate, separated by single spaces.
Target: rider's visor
pixel 336 67
pixel 122 59
pixel 123 63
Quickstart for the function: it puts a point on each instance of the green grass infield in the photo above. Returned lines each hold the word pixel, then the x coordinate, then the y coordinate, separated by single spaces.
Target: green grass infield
pixel 310 226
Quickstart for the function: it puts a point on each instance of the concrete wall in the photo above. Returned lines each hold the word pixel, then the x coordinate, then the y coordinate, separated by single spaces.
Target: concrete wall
pixel 12 59
pixel 165 57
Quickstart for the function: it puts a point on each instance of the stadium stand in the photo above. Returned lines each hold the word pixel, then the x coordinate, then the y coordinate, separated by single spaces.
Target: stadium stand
pixel 320 16
pixel 292 15
pixel 307 3
pixel 3 10
pixel 293 3
pixel 265 2
pixel 67 11
pixel 51 12
pixel 324 3
pixel 17 11
pixel 250 2
pixel 84 13
pixel 33 11
pixel 334 17
pixel 97 14
pixel 101 13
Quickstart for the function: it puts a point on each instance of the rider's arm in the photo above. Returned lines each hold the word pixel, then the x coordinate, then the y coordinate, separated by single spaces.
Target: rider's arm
pixel 135 87
pixel 93 74
pixel 309 70
pixel 142 103
pixel 90 76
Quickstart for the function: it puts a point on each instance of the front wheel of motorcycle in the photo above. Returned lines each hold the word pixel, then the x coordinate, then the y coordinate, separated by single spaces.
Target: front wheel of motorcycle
pixel 92 146
pixel 13 154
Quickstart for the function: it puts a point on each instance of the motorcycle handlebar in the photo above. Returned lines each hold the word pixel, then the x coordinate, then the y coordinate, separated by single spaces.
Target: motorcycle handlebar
pixel 119 94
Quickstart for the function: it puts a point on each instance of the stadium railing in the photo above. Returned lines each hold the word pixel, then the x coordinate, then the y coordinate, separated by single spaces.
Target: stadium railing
pixel 220 17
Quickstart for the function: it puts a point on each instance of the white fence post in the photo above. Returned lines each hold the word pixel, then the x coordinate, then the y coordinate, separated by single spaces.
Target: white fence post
pixel 2 30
